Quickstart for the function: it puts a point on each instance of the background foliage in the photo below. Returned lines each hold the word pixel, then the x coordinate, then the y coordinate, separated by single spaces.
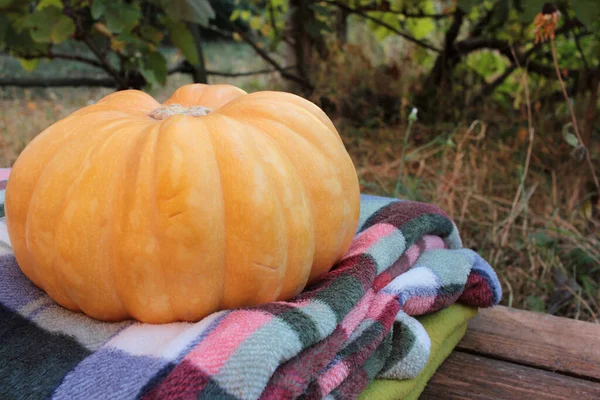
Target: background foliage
pixel 496 139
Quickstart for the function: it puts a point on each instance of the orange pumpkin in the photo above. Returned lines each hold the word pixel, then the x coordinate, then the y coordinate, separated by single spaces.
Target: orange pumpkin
pixel 216 199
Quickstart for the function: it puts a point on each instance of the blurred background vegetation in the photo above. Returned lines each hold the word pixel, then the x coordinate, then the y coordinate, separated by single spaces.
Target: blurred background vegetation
pixel 488 109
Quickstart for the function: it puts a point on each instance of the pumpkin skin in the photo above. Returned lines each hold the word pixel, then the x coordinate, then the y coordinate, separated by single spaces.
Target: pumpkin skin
pixel 120 214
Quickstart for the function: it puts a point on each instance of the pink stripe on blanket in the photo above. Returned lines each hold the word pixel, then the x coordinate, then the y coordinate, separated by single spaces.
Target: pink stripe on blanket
pixel 413 253
pixel 332 378
pixel 357 314
pixel 433 242
pixel 419 305
pixel 380 305
pixel 367 238
pixel 211 354
pixel 4 173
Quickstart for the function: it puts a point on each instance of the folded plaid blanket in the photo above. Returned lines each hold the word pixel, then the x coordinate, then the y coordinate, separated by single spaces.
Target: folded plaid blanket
pixel 445 328
pixel 351 326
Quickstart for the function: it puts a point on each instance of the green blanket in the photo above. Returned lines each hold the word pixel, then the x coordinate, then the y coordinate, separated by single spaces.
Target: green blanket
pixel 445 328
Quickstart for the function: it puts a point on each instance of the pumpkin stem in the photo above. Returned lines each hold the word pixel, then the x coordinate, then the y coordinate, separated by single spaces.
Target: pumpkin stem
pixel 173 109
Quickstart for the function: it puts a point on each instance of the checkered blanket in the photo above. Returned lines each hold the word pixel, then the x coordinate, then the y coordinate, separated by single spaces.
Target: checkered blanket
pixel 354 325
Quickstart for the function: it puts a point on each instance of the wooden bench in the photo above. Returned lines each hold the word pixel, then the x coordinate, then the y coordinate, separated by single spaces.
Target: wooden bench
pixel 514 354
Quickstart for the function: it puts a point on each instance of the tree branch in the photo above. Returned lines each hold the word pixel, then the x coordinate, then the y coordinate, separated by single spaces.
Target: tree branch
pixel 249 73
pixel 381 23
pixel 385 7
pixel 57 82
pixel 52 55
pixel 516 60
pixel 105 64
pixel 449 57
pixel 186 68
pixel 268 58
pixel 489 89
pixel 221 32
pixel 483 22
pixel 469 45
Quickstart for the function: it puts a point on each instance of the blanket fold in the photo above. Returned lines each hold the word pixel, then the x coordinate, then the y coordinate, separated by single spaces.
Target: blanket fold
pixel 445 328
pixel 353 325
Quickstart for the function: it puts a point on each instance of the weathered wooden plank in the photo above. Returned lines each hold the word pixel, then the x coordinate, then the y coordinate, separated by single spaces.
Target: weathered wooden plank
pixel 467 376
pixel 539 340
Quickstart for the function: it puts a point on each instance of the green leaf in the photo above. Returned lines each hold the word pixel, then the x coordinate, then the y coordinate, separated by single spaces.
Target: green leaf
pixel 29 65
pixel 235 15
pixel 315 27
pixel 536 303
pixel 151 34
pixel 49 25
pixel 4 23
pixel 122 18
pixel 62 30
pixel 580 257
pixel 503 10
pixel 319 8
pixel 129 39
pixel 255 22
pixel 420 27
pixel 6 3
pixel 541 239
pixel 50 3
pixel 182 38
pixel 587 11
pixel 530 8
pixel 589 286
pixel 154 68
pixel 98 9
pixel 197 11
pixel 245 15
pixel 119 16
pixel 569 137
pixel 467 5
pixel 21 42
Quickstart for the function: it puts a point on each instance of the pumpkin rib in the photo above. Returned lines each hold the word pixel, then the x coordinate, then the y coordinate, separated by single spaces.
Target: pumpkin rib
pixel 294 135
pixel 284 232
pixel 107 231
pixel 202 262
pixel 128 103
pixel 209 135
pixel 301 103
pixel 135 302
pixel 154 198
pixel 64 294
pixel 249 110
pixel 230 139
pixel 138 141
pixel 203 94
pixel 276 147
pixel 93 153
pixel 165 262
pixel 131 175
pixel 38 140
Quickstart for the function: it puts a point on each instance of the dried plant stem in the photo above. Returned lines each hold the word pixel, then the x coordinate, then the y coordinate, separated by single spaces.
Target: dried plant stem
pixel 401 178
pixel 575 126
pixel 513 214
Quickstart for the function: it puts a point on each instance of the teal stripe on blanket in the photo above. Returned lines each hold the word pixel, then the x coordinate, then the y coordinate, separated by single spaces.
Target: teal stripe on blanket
pixel 27 350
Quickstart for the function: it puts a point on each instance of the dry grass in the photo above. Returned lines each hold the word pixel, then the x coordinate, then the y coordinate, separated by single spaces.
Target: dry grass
pixel 546 249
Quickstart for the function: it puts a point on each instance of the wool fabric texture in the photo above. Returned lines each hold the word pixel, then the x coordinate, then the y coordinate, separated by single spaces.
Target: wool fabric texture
pixel 355 324
pixel 445 329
